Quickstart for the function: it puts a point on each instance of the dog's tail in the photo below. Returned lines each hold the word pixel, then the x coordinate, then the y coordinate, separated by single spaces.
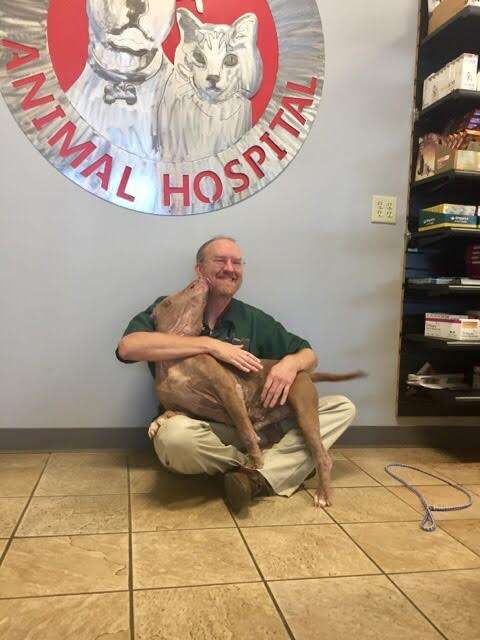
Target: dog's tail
pixel 336 377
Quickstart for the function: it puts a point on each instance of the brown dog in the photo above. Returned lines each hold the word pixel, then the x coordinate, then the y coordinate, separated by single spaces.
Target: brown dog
pixel 203 387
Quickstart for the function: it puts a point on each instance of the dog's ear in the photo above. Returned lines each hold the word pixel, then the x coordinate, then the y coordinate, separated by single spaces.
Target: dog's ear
pixel 188 24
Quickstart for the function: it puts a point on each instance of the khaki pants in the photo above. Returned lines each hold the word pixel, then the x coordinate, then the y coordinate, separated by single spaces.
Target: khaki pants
pixel 189 446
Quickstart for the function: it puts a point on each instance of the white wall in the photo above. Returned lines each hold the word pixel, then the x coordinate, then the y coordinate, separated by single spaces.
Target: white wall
pixel 74 269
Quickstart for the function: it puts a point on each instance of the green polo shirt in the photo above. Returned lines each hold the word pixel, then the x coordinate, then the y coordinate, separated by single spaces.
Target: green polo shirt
pixel 241 323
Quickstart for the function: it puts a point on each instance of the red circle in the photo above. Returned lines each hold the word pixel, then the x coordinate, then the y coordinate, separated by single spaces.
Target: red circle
pixel 67 33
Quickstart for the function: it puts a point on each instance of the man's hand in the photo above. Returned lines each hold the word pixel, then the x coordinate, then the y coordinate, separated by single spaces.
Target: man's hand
pixel 234 354
pixel 278 383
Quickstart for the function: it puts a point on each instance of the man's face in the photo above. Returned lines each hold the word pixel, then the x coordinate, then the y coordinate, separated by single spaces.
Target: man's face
pixel 222 267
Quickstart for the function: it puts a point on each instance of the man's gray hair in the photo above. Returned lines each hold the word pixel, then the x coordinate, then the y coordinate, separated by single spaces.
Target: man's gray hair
pixel 201 252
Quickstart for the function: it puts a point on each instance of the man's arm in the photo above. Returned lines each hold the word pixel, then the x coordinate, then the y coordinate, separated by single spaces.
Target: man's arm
pixel 283 374
pixel 153 346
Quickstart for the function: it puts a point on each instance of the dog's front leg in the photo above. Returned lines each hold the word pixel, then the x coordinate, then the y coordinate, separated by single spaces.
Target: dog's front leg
pixel 303 398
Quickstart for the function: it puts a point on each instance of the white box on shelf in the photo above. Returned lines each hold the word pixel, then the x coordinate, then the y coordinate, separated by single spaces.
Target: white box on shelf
pixel 464 329
pixel 437 325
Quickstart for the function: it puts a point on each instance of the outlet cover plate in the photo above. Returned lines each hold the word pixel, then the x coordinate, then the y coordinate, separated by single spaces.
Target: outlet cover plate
pixel 384 209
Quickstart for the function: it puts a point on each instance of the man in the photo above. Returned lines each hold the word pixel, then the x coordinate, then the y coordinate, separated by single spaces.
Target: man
pixel 240 335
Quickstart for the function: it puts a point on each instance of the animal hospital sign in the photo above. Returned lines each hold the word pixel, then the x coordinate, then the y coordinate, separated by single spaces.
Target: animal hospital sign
pixel 170 107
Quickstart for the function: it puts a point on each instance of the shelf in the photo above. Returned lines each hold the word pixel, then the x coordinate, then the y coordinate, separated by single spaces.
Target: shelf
pixel 452 396
pixel 458 35
pixel 435 117
pixel 425 238
pixel 448 186
pixel 443 343
pixel 444 289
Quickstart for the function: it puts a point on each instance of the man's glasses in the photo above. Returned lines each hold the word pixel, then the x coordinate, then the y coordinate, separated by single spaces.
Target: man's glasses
pixel 222 262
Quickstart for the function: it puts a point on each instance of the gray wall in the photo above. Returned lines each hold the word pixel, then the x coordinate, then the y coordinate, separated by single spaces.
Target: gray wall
pixel 75 269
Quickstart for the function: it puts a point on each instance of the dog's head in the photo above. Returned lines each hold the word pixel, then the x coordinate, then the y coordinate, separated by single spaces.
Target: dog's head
pixel 126 36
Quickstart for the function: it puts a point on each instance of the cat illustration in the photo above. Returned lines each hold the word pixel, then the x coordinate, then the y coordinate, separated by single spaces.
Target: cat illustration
pixel 206 105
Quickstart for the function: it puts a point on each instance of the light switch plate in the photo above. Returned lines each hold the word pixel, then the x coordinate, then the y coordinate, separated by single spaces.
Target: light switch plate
pixel 384 209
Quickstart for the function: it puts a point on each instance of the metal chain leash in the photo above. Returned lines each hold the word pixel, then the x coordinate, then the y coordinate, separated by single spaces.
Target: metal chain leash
pixel 428 523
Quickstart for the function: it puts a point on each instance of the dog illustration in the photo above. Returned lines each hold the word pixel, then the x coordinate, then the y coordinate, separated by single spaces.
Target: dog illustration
pixel 125 70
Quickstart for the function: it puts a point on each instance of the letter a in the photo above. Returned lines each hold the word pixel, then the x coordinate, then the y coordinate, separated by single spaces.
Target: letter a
pixel 30 53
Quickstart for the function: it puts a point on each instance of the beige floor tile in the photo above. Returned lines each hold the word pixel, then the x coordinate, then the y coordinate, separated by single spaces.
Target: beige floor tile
pixel 10 511
pixel 184 558
pixel 3 544
pixel 277 510
pixel 443 496
pixel 71 515
pixel 93 617
pixel 236 612
pixel 473 488
pixel 70 474
pixel 19 472
pixel 451 603
pixel 151 512
pixel 336 454
pixel 63 565
pixel 346 474
pixel 376 468
pixel 367 608
pixel 146 473
pixel 465 531
pixel 403 546
pixel 462 473
pixel 306 552
pixel 369 504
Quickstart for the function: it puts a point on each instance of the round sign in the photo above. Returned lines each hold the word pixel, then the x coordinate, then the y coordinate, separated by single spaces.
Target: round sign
pixel 169 107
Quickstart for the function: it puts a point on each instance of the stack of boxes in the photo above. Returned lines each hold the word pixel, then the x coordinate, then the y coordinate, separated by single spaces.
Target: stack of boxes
pixel 457 148
pixel 457 216
pixel 461 73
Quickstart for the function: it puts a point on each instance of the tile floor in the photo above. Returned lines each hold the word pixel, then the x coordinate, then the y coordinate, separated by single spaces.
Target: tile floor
pixel 108 545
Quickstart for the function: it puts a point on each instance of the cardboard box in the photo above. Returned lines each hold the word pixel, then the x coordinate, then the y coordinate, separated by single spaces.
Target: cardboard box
pixel 456 159
pixel 428 221
pixel 437 325
pixel 446 10
pixel 464 329
pixel 461 73
pixel 459 209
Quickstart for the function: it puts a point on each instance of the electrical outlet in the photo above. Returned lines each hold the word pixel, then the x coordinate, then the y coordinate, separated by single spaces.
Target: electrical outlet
pixel 384 209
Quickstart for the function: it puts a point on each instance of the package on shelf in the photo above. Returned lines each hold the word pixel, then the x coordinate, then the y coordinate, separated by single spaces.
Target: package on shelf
pixel 445 10
pixel 437 324
pixel 459 209
pixel 426 155
pixel 460 73
pixel 451 326
pixel 437 380
pixel 470 120
pixel 472 260
pixel 428 221
pixel 456 160
pixel 473 313
pixel 432 5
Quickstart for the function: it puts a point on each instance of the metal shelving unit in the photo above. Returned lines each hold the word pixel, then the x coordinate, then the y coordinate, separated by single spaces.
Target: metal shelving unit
pixel 439 252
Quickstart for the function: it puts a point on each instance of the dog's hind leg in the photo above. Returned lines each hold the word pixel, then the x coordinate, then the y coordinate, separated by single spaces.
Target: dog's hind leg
pixel 303 398
pixel 231 396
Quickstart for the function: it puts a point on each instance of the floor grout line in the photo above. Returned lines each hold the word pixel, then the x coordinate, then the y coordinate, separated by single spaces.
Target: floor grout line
pixel 264 581
pixel 130 558
pixel 20 518
pixel 477 553
pixel 387 576
pixel 63 595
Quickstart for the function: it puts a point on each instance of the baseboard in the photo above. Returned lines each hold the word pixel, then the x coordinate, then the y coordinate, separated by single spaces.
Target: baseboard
pixel 136 438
